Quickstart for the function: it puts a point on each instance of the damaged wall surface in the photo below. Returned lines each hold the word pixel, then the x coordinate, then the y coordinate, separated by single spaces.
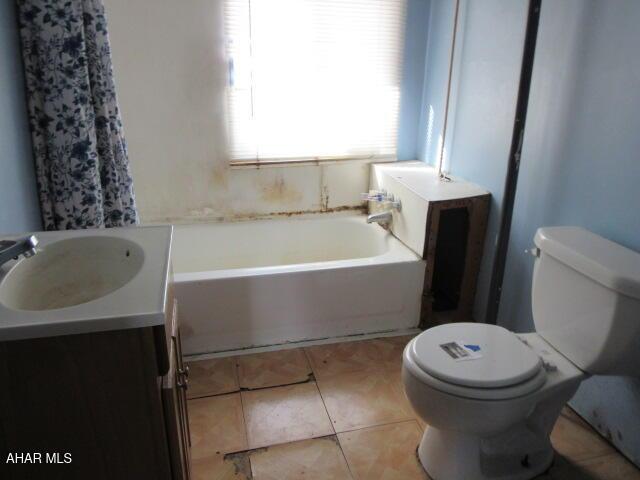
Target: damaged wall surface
pixel 170 75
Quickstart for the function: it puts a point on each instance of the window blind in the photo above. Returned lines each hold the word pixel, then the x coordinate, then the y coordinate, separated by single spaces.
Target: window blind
pixel 313 79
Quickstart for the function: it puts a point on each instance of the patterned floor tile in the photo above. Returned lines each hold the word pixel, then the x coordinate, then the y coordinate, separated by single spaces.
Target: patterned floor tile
pixel 284 414
pixel 574 438
pixel 365 399
pixel 349 357
pixel 358 393
pixel 270 369
pixel 317 459
pixel 217 425
pixel 604 467
pixel 212 377
pixel 387 452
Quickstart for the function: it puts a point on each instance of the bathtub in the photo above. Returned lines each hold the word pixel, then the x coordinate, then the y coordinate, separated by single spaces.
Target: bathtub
pixel 268 282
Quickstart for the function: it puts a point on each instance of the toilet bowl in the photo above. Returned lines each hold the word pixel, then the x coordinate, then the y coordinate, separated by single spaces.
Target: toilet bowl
pixel 491 397
pixel 499 426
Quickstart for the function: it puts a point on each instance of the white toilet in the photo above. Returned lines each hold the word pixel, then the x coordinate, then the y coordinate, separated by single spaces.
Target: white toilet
pixel 490 396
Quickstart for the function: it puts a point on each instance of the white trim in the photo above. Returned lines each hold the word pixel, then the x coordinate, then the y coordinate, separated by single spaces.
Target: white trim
pixel 303 162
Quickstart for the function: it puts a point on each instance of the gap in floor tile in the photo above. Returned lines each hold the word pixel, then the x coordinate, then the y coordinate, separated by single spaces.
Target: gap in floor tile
pixel 284 414
pixel 241 463
pixel 234 466
pixel 272 369
pixel 313 459
pixel 310 379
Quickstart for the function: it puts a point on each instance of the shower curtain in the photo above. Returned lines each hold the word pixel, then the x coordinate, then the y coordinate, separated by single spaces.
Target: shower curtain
pixel 82 167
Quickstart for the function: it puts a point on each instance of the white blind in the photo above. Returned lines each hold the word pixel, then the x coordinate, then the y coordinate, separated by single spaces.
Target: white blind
pixel 313 78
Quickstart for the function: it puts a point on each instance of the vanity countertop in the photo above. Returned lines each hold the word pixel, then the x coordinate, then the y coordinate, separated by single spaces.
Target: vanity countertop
pixel 140 302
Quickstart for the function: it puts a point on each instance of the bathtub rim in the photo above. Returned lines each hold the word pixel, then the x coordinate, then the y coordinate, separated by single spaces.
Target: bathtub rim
pixel 394 255
pixel 384 259
pixel 396 252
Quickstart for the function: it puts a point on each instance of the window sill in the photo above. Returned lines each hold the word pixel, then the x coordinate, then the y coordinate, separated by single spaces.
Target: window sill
pixel 243 165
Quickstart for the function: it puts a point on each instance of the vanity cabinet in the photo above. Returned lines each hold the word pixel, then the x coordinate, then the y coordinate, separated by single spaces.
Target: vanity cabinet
pixel 174 399
pixel 103 406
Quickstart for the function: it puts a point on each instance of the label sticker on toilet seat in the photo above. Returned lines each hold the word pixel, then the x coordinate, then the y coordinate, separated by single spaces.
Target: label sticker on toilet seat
pixel 461 351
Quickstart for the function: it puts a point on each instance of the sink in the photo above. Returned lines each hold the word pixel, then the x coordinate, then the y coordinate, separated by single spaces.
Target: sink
pixel 71 272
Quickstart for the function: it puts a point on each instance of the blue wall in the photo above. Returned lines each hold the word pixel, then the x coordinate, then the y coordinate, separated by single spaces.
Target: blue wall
pixel 581 166
pixel 416 36
pixel 19 209
pixel 581 155
pixel 428 36
pixel 435 77
pixel 486 74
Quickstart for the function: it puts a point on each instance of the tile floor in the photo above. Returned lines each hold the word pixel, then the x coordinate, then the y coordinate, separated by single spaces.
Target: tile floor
pixel 338 411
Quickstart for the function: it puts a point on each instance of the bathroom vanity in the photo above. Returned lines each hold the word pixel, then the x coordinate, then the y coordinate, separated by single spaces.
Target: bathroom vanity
pixel 90 360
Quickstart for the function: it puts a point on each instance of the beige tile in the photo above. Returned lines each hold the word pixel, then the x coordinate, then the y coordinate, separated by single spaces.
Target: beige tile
pixel 217 425
pixel 348 357
pixel 365 399
pixel 604 467
pixel 212 377
pixel 574 439
pixel 339 358
pixel 386 452
pixel 398 341
pixel 421 423
pixel 284 414
pixel 317 459
pixel 217 467
pixel 391 349
pixel 270 369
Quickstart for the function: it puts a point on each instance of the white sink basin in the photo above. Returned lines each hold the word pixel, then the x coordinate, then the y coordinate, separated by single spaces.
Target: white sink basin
pixel 85 281
pixel 71 272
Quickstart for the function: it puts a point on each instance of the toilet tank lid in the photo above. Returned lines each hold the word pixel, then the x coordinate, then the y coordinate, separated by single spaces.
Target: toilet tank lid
pixel 608 263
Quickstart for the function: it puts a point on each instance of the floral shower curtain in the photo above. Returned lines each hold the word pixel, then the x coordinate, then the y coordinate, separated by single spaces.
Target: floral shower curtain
pixel 80 153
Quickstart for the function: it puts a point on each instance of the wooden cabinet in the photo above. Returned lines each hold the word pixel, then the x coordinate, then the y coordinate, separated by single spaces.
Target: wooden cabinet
pixel 174 398
pixel 112 404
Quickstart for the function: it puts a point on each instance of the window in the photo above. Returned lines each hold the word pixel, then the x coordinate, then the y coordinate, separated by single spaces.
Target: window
pixel 313 79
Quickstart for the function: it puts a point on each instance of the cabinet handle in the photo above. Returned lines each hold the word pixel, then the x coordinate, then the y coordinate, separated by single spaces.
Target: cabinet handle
pixel 183 382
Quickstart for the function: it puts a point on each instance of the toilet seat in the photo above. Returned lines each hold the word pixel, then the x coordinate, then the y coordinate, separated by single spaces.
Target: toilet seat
pixel 501 366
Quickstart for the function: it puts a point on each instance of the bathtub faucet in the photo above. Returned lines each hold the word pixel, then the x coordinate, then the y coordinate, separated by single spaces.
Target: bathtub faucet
pixel 13 248
pixel 383 198
pixel 383 218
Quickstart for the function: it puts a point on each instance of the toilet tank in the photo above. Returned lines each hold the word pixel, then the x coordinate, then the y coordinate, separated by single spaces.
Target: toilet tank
pixel 586 300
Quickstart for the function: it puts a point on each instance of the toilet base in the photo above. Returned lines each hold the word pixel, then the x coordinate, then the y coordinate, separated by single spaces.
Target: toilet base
pixel 516 455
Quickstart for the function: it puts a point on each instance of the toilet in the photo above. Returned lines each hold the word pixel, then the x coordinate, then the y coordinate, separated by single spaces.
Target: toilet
pixel 490 397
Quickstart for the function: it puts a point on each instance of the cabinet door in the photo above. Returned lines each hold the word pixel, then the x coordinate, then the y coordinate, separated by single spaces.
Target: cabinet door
pixel 184 370
pixel 175 405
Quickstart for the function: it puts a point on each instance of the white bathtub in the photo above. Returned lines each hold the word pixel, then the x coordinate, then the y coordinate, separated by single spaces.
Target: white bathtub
pixel 269 282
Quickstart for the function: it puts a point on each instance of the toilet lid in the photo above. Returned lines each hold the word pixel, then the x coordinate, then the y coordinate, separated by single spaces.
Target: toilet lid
pixel 475 355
